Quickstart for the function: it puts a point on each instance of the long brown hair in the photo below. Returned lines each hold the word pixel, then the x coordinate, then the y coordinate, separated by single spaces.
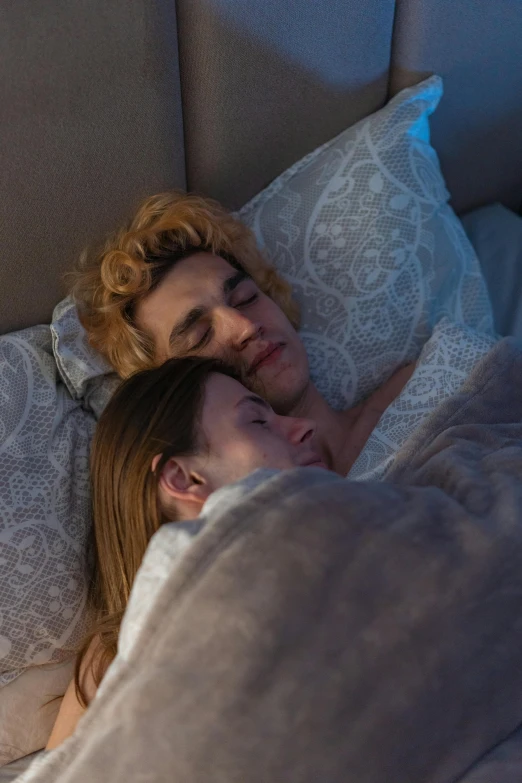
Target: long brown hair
pixel 108 283
pixel 156 411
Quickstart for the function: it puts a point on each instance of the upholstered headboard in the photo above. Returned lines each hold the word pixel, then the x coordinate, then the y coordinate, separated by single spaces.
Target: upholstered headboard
pixel 90 123
pixel 105 103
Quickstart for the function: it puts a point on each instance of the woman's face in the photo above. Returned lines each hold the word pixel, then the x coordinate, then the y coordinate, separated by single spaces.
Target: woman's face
pixel 243 433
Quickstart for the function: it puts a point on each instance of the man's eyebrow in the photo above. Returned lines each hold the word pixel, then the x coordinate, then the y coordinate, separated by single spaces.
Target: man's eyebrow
pixel 193 316
pixel 253 398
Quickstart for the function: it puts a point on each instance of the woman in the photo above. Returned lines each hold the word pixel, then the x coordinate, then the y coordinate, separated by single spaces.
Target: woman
pixel 169 437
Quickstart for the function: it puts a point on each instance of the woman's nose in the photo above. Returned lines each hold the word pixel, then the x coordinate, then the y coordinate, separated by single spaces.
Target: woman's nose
pixel 299 430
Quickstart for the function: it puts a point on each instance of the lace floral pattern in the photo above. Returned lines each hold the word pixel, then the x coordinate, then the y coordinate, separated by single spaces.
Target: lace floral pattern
pixel 362 230
pixel 44 506
pixel 444 364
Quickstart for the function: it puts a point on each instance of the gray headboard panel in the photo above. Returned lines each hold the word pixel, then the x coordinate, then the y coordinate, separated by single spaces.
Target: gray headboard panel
pixel 90 123
pixel 476 46
pixel 263 83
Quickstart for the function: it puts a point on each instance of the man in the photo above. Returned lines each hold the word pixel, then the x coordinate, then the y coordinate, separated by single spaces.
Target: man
pixel 186 278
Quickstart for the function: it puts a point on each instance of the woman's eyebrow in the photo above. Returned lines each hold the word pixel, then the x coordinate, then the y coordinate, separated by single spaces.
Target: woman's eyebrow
pixel 253 398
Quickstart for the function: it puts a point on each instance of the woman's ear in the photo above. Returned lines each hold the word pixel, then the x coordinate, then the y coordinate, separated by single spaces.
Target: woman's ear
pixel 181 483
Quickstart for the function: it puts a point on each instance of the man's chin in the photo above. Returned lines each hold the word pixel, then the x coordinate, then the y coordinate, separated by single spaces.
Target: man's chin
pixel 280 387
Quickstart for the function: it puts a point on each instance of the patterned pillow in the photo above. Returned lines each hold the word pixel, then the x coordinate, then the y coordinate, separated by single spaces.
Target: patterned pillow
pixel 44 507
pixel 444 364
pixel 362 230
pixel 84 371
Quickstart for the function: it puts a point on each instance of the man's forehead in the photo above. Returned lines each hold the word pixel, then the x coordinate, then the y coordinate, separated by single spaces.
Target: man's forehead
pixel 201 272
pixel 190 283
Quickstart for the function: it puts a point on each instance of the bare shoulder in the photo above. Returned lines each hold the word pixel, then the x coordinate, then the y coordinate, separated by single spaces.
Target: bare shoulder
pixel 386 394
pixel 71 709
pixel 365 416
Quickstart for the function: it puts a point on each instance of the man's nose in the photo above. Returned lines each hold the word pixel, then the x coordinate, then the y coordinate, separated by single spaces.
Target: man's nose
pixel 298 430
pixel 238 329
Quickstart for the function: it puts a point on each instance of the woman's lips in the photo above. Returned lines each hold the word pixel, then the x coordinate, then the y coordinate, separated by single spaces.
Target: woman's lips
pixel 316 463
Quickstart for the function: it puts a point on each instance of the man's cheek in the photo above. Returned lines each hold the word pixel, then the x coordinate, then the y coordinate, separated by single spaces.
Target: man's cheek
pixel 256 385
pixel 232 358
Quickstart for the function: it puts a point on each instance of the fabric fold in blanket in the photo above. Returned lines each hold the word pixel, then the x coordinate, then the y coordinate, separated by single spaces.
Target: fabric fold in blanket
pixel 328 630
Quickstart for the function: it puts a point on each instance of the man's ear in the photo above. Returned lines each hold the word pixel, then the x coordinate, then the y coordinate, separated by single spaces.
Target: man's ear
pixel 180 482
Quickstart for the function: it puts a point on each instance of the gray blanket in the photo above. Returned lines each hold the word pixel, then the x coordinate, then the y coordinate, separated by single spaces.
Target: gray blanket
pixel 327 631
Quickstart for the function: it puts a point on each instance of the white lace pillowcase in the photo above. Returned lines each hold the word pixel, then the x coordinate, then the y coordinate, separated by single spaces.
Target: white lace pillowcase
pixel 445 362
pixel 44 507
pixel 362 230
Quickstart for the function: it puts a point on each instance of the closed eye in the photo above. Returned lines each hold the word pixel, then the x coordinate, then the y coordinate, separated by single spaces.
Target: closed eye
pixel 248 301
pixel 259 421
pixel 201 343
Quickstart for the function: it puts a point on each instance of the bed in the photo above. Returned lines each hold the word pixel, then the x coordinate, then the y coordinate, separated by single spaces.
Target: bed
pixel 107 104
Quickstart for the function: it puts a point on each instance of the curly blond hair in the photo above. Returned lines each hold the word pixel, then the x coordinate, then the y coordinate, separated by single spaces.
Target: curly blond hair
pixel 108 284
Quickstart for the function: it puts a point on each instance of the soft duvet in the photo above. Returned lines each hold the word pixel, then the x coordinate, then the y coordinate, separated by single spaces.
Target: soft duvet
pixel 318 629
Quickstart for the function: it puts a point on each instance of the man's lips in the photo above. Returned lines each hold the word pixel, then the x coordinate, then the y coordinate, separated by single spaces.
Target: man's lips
pixel 266 356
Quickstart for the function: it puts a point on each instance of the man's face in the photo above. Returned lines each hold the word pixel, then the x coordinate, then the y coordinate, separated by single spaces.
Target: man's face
pixel 205 307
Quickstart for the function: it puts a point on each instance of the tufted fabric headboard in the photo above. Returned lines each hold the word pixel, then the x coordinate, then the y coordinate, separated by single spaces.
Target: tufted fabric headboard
pixel 106 103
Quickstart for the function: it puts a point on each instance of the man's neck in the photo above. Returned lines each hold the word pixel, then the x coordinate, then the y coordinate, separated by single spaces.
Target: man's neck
pixel 341 435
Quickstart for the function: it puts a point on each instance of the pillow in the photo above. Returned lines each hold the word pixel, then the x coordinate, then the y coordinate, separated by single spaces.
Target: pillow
pixel 444 364
pixel 44 507
pixel 84 371
pixel 496 234
pixel 362 230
